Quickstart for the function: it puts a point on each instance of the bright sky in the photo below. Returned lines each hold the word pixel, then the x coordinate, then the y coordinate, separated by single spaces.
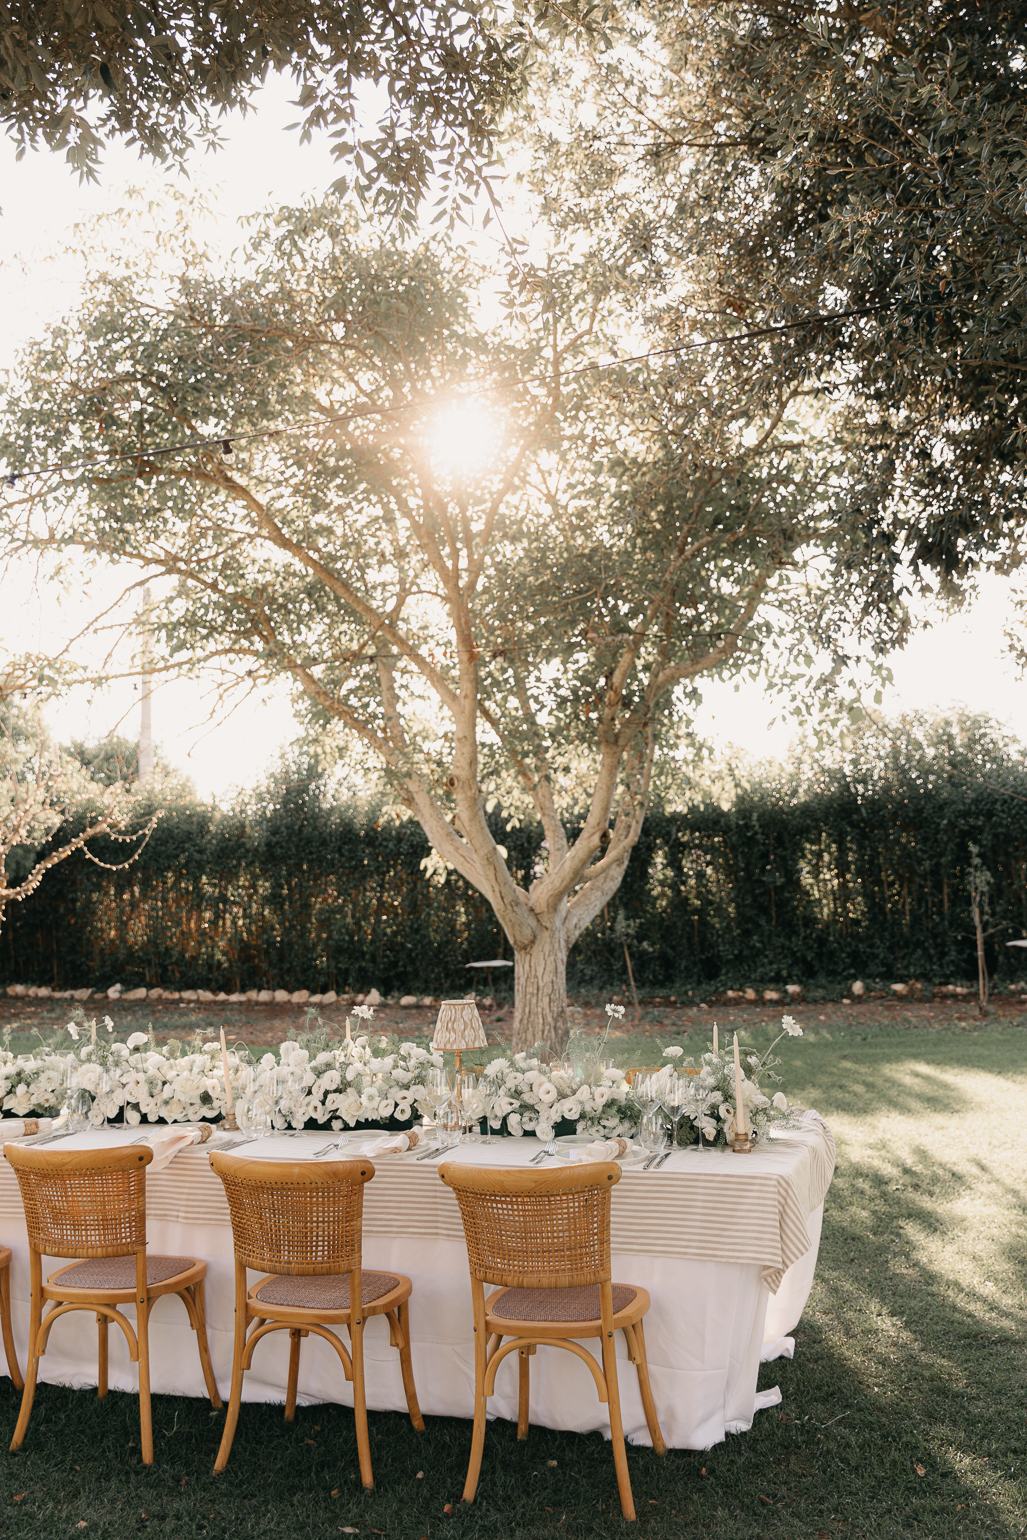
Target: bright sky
pixel 957 660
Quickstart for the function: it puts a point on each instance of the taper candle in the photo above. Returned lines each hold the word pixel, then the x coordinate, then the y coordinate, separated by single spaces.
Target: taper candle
pixel 229 1103
pixel 716 1042
pixel 741 1124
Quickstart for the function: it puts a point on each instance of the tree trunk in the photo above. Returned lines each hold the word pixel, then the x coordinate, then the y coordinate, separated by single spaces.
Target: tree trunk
pixel 540 988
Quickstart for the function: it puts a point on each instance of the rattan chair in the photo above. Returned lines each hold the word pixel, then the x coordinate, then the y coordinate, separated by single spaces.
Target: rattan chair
pixel 544 1236
pixel 5 1318
pixel 302 1223
pixel 91 1204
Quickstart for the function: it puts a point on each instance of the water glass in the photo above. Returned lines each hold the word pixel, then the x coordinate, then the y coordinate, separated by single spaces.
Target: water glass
pixel 653 1132
pixel 438 1088
pixel 449 1125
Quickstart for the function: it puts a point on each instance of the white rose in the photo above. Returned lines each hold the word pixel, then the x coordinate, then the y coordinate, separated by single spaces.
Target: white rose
pixel 780 1101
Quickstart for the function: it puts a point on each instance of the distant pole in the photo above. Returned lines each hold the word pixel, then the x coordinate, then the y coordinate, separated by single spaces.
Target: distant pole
pixel 145 719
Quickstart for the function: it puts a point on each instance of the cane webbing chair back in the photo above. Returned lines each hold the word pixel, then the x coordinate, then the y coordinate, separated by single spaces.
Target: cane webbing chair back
pixel 536 1229
pixel 83 1203
pixel 295 1217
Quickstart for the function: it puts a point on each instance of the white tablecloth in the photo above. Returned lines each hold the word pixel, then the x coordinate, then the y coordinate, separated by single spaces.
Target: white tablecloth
pixel 709 1235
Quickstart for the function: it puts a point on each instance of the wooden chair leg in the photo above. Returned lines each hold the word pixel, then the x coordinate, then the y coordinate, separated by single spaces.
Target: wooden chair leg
pixel 145 1411
pixel 32 1367
pixel 645 1389
pixel 407 1367
pixel 480 1403
pixel 523 1391
pixel 235 1395
pixel 356 1339
pixel 8 1330
pixel 294 1374
pixel 199 1306
pixel 102 1354
pixel 620 1458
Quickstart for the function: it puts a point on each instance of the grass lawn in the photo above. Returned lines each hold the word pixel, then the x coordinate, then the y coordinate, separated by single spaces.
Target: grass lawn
pixel 902 1414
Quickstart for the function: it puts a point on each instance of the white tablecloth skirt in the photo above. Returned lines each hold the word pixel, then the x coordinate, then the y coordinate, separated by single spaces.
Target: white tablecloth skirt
pixel 709 1325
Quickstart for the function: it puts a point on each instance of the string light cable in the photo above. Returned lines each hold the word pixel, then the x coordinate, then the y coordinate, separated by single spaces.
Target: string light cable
pixel 226 442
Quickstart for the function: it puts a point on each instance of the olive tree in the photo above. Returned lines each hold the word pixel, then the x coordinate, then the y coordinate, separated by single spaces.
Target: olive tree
pixel 497 566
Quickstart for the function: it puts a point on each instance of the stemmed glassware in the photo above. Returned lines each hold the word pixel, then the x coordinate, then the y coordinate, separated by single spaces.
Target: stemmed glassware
pixel 489 1094
pixel 675 1103
pixel 470 1102
pixel 438 1089
pixel 252 1104
pixel 76 1101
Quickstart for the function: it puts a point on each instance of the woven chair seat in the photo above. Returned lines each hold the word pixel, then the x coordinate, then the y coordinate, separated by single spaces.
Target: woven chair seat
pixel 326 1291
pixel 120 1272
pixel 581 1304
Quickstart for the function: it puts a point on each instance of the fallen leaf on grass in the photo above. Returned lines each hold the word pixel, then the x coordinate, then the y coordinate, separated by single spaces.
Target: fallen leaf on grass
pixel 346 1530
pixel 19 1497
pixel 310 1440
pixel 335 1493
pixel 919 1470
pixel 419 1476
pixel 768 1500
pixel 448 1508
pixel 551 1463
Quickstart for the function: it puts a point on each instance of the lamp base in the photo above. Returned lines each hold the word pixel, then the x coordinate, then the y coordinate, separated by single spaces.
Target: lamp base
pixel 742 1144
pixel 456 1056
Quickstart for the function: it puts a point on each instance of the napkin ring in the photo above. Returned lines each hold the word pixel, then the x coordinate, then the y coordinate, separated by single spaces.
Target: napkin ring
pixel 742 1144
pixel 206 1130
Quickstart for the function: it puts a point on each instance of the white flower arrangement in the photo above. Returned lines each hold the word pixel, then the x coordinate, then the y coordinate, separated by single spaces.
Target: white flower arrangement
pixel 321 1079
pixel 710 1103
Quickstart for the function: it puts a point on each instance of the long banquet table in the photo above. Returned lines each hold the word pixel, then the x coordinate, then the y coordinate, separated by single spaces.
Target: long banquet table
pixel 726 1245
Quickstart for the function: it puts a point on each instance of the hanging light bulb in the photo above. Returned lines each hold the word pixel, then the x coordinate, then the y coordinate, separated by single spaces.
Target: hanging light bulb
pixel 9 484
pixel 227 452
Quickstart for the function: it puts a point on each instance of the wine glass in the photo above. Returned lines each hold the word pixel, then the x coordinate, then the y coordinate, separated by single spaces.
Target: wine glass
pixel 469 1098
pixel 675 1103
pixel 252 1106
pixel 76 1101
pixel 490 1094
pixel 438 1088
pixel 286 1083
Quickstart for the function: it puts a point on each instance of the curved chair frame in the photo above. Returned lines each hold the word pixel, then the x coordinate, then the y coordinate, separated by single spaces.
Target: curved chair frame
pixel 305 1220
pixel 91 1204
pixel 547 1230
pixel 13 1366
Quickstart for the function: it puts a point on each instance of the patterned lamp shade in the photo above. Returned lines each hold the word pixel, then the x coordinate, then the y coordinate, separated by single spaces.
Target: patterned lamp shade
pixel 459 1027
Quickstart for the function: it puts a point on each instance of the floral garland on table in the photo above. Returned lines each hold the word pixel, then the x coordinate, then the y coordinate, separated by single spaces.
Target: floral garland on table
pixel 370 1079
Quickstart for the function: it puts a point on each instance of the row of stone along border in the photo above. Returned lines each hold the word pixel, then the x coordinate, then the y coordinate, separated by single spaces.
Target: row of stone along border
pixel 207 997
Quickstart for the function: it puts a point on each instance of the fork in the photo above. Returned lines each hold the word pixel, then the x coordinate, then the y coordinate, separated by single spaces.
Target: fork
pixel 549 1148
pixel 436 1149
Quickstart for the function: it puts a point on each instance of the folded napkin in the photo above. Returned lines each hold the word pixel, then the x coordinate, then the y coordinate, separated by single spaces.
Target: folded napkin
pixel 602 1149
pixel 391 1144
pixel 166 1143
pixel 21 1128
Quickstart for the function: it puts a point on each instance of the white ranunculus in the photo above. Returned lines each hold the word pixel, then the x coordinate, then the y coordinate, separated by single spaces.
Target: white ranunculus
pixel 780 1101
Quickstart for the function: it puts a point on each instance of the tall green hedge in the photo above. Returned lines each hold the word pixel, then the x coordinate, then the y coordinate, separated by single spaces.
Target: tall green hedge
pixel 859 871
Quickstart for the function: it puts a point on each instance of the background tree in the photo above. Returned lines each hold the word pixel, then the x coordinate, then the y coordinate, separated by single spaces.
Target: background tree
pixel 43 788
pixel 849 177
pixel 496 565
pixel 74 75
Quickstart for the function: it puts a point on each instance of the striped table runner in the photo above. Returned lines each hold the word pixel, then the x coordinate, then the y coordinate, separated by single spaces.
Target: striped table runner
pixel 716 1207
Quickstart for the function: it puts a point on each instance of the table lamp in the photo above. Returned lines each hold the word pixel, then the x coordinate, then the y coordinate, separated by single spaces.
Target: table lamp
pixel 458 1028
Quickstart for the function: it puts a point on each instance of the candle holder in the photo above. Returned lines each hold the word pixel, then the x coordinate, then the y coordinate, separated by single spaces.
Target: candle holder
pixel 742 1144
pixel 230 1123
